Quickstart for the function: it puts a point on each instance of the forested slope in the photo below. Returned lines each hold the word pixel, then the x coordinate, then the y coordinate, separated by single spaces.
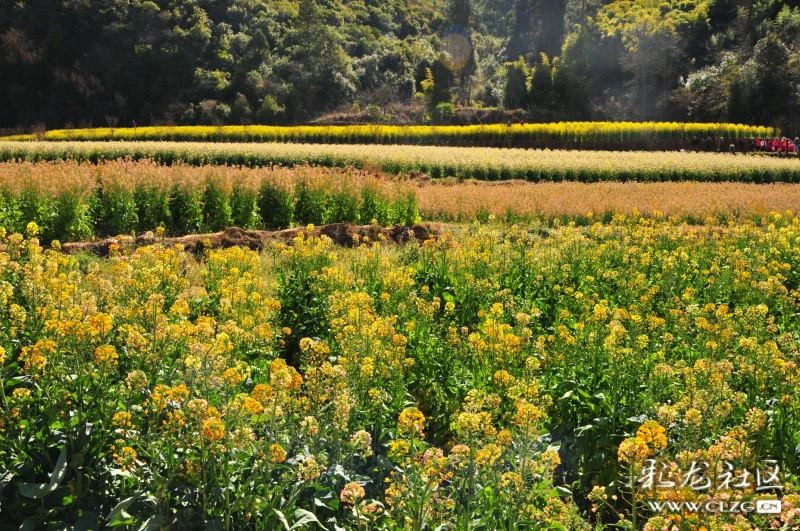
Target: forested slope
pixel 116 62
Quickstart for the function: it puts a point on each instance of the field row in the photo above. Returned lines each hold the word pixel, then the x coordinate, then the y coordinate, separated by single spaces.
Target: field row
pixel 491 377
pixel 71 201
pixel 478 163
pixel 585 204
pixel 605 135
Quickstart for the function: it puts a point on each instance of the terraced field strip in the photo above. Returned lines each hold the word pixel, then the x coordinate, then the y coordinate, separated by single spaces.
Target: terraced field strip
pixel 478 163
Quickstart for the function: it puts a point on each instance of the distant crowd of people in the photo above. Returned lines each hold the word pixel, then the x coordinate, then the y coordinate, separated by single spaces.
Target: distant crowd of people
pixel 780 146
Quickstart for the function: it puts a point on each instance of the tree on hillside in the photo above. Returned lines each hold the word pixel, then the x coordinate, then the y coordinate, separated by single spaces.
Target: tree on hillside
pixel 541 93
pixel 516 93
pixel 549 15
pixel 436 86
pixel 538 27
pixel 324 76
pixel 650 33
pixel 457 43
pixel 522 38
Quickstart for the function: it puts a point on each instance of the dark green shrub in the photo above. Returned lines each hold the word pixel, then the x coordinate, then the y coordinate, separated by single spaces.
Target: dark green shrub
pixel 72 219
pixel 152 207
pixel 117 210
pixel 342 206
pixel 217 203
pixel 186 210
pixel 311 204
pixel 276 205
pixel 244 207
pixel 374 205
pixel 10 213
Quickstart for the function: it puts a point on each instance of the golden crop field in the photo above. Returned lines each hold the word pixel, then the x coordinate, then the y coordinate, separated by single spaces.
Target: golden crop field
pixel 72 201
pixel 516 201
pixel 478 163
pixel 584 134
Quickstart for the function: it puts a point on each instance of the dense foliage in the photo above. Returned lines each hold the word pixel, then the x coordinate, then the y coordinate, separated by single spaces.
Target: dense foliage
pixel 70 201
pixel 597 135
pixel 478 163
pixel 115 62
pixel 468 383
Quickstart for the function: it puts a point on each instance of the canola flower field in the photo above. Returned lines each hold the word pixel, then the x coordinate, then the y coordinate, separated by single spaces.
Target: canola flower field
pixel 477 163
pixel 622 135
pixel 492 378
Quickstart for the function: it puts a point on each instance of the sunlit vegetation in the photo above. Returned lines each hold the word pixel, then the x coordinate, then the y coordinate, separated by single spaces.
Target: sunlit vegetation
pixel 692 202
pixel 470 381
pixel 608 135
pixel 71 201
pixel 478 163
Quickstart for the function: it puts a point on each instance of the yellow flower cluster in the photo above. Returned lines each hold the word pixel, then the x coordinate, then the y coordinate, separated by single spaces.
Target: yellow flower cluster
pixel 451 360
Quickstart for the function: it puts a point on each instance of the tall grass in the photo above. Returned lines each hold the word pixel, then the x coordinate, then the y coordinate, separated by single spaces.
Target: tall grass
pixel 592 135
pixel 70 200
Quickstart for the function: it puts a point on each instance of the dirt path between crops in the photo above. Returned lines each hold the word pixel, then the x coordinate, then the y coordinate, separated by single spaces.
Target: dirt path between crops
pixel 341 233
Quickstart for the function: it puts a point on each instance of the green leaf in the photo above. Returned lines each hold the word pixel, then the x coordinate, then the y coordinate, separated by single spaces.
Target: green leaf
pixel 86 524
pixel 61 468
pixel 153 523
pixel 121 506
pixel 305 518
pixel 283 520
pixel 36 491
pixel 563 491
pixel 30 524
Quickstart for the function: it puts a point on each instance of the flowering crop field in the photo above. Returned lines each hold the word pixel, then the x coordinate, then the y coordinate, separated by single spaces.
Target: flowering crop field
pixel 72 201
pixel 478 163
pixel 585 203
pixel 494 378
pixel 622 135
pixel 75 201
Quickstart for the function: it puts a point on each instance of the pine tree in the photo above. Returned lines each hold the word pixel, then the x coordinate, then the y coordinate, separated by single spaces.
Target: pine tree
pixel 550 17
